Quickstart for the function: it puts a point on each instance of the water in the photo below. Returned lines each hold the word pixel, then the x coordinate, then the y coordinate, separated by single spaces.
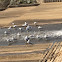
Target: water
pixel 49 33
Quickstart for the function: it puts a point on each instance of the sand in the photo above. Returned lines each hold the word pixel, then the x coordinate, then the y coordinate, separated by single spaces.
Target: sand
pixel 5 52
pixel 45 11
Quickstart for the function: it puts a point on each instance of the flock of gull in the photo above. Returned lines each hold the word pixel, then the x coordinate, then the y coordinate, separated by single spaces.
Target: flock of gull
pixel 18 35
pixel 26 32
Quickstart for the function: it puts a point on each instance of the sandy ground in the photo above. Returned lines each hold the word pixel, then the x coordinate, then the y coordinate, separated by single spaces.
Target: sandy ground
pixel 45 12
pixel 36 53
pixel 22 49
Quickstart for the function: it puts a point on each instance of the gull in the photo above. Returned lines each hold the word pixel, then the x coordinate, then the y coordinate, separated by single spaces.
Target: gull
pixel 18 34
pixel 9 28
pixel 13 38
pixel 10 41
pixel 5 32
pixel 7 40
pixel 21 29
pixel 37 36
pixel 46 37
pixel 28 28
pixel 28 42
pixel 39 27
pixel 13 23
pixel 27 39
pixel 14 26
pixel 25 24
pixel 35 23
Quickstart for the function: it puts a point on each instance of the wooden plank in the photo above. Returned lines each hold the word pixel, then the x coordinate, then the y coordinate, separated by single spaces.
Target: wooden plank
pixel 47 53
pixel 46 58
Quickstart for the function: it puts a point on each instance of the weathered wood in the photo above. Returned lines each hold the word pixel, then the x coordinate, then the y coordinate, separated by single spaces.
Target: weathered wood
pixel 46 58
pixel 59 47
pixel 51 54
pixel 47 52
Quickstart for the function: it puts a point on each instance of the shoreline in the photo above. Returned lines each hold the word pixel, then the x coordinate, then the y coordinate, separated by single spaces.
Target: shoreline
pixel 20 25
